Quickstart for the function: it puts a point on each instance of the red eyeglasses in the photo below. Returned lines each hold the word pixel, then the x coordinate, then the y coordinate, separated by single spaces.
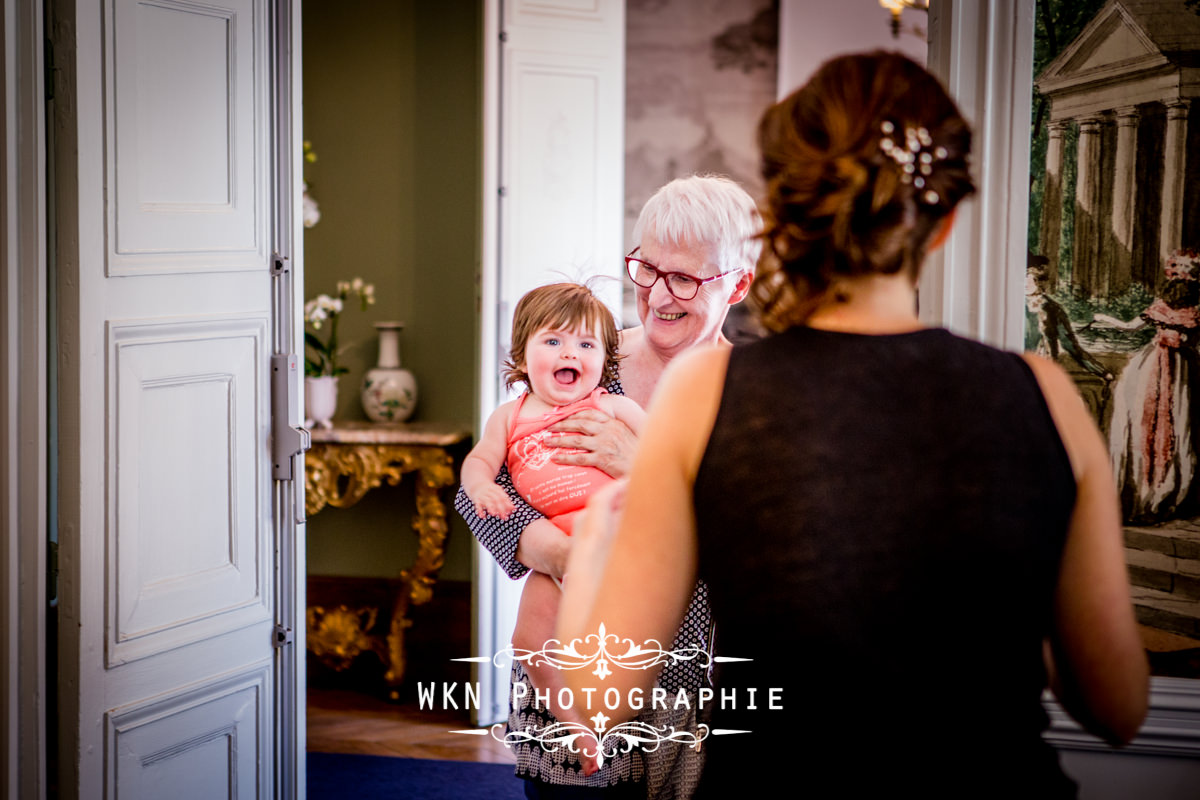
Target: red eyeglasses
pixel 681 285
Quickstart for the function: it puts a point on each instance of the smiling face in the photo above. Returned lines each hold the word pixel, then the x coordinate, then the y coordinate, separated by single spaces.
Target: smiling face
pixel 672 325
pixel 563 365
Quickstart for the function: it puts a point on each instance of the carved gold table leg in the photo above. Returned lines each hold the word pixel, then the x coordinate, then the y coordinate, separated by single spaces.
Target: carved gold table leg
pixel 434 472
pixel 338 635
pixel 339 475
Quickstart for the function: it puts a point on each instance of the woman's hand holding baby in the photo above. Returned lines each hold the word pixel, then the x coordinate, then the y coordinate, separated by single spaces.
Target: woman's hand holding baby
pixel 604 442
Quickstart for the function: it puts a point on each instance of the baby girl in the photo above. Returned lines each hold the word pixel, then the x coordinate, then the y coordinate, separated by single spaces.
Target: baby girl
pixel 564 346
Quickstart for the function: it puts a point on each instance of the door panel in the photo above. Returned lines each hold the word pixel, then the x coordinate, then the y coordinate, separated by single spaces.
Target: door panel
pixel 553 149
pixel 200 744
pixel 169 602
pixel 188 558
pixel 186 114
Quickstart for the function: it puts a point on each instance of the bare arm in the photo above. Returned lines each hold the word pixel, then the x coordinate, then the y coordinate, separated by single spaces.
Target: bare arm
pixel 625 410
pixel 526 539
pixel 1112 322
pixel 1099 670
pixel 633 568
pixel 522 538
pixel 483 463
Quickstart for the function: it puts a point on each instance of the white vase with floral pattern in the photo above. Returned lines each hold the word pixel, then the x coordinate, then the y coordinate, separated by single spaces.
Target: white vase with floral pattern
pixel 389 392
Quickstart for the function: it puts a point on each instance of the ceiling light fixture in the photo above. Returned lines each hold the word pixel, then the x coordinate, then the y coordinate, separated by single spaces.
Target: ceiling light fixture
pixel 896 7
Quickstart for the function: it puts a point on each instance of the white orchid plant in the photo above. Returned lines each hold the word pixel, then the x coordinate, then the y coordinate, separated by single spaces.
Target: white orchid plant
pixel 322 312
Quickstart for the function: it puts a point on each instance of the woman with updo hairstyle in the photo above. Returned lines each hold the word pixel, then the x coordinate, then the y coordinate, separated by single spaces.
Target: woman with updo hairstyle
pixel 861 167
pixel 907 535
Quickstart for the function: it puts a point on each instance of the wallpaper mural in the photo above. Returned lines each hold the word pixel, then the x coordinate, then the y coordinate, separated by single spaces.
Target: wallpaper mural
pixel 1113 280
pixel 698 74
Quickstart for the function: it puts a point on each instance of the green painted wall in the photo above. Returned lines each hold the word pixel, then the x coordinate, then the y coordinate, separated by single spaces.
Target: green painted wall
pixel 392 96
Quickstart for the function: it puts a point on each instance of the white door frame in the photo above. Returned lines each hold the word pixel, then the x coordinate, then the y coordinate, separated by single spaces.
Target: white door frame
pixel 974 285
pixel 488 580
pixel 288 335
pixel 23 406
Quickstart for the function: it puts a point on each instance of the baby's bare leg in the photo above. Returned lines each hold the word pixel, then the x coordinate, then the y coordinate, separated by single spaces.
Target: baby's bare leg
pixel 536 617
pixel 535 621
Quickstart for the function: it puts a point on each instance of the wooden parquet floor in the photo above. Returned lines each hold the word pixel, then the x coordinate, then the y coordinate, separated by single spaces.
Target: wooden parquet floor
pixel 341 721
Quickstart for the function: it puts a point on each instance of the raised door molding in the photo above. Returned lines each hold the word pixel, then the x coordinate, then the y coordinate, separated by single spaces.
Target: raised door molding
pixel 186 560
pixel 205 742
pixel 561 158
pixel 184 176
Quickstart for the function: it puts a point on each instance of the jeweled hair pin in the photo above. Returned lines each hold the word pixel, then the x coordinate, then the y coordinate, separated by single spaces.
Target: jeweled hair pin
pixel 915 156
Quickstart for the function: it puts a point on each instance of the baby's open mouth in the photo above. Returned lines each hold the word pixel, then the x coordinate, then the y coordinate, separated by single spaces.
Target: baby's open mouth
pixel 566 376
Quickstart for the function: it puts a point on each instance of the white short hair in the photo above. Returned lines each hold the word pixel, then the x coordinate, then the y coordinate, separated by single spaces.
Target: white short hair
pixel 704 210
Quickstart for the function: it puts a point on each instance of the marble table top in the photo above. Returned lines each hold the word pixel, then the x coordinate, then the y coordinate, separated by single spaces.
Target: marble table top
pixel 436 434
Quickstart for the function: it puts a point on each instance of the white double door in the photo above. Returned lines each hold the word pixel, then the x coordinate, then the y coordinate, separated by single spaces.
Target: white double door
pixel 174 193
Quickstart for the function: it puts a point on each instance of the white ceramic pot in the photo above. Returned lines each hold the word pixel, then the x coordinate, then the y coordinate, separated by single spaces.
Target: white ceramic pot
pixel 389 392
pixel 320 401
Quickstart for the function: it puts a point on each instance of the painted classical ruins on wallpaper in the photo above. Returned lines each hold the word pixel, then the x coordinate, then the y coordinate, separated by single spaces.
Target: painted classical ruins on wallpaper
pixel 1113 283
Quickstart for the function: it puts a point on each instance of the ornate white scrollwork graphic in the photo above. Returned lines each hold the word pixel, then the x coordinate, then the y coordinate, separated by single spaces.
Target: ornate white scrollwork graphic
pixel 604 744
pixel 602 649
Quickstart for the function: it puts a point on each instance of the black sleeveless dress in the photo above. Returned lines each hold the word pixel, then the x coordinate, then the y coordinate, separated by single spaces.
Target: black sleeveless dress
pixel 880 522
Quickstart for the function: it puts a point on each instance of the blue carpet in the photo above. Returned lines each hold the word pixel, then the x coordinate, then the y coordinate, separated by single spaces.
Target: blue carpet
pixel 337 775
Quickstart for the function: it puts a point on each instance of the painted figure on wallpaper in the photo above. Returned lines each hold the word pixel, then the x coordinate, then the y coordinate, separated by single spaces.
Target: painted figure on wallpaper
pixel 1115 293
pixel 1049 331
pixel 1151 439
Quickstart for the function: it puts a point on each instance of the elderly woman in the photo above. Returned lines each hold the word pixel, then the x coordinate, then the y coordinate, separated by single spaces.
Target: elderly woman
pixel 910 534
pixel 697 246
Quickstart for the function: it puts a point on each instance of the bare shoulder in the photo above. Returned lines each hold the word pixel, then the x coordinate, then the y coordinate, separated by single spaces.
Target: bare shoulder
pixel 628 339
pixel 1075 425
pixel 502 416
pixel 505 409
pixel 1057 387
pixel 699 369
pixel 1051 377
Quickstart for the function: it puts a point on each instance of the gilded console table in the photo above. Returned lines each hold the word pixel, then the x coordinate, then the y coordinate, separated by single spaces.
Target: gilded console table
pixel 345 463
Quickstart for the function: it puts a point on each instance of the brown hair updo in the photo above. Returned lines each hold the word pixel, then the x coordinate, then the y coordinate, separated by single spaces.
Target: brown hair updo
pixel 843 158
